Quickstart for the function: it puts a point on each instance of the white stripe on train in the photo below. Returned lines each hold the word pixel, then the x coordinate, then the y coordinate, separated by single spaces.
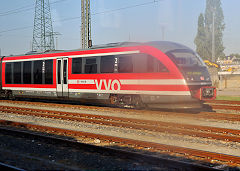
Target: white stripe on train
pixel 72 56
pixel 186 93
pixel 103 91
pixel 133 81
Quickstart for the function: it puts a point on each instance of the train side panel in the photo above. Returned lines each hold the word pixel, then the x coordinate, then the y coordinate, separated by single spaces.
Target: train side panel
pixel 36 87
pixel 131 74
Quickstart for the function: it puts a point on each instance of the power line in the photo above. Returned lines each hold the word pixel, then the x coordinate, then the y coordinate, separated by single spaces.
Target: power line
pixel 14 10
pixel 97 13
pixel 19 28
pixel 57 1
pixel 24 9
pixel 109 11
pixel 127 7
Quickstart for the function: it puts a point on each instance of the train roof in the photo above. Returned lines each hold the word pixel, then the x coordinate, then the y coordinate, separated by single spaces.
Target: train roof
pixel 164 46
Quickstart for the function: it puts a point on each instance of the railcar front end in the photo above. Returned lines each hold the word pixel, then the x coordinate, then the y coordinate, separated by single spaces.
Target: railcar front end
pixel 194 72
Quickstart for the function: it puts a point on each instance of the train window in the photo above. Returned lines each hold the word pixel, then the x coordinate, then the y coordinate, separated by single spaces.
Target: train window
pixel 91 66
pixel 107 64
pixel 76 65
pixel 91 61
pixel 8 73
pixel 37 72
pixel 125 64
pixel 27 74
pixel 139 62
pixel 59 63
pixel 144 63
pixel 49 72
pixel 160 67
pixel 154 65
pixel 185 58
pixel 65 72
pixel 17 73
pixel 150 64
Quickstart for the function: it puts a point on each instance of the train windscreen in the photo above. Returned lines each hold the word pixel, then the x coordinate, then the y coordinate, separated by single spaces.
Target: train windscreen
pixel 185 58
pixel 190 64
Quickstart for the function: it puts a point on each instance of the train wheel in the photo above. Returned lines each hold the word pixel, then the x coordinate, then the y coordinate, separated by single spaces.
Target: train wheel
pixel 137 102
pixel 113 100
pixel 7 95
pixel 132 101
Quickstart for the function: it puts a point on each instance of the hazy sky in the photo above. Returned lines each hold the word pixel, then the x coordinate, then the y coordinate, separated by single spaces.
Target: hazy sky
pixel 115 21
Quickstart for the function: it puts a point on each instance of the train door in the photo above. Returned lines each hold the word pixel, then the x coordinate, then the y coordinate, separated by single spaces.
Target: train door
pixel 62 77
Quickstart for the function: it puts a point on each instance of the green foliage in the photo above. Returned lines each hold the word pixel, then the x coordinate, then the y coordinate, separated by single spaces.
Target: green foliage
pixel 203 39
pixel 200 38
pixel 231 98
pixel 237 55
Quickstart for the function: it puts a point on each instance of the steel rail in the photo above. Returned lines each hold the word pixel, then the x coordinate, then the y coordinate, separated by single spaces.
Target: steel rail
pixel 157 147
pixel 223 102
pixel 208 115
pixel 225 107
pixel 155 160
pixel 4 166
pixel 156 126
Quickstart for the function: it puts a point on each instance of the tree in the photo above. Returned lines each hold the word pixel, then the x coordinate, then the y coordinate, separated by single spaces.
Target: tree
pixel 210 24
pixel 200 38
pixel 237 55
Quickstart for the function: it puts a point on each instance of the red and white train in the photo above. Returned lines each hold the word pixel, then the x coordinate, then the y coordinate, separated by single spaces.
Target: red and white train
pixel 152 74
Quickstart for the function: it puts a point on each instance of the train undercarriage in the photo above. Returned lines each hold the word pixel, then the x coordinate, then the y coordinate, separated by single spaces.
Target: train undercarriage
pixel 121 100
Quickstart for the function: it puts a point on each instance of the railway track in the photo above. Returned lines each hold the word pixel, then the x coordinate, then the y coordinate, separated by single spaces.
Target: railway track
pixel 201 115
pixel 224 102
pixel 157 161
pixel 4 166
pixel 138 124
pixel 224 105
pixel 206 132
pixel 214 104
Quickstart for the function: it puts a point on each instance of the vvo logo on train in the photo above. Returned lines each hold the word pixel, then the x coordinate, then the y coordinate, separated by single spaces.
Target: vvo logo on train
pixel 109 85
pixel 101 84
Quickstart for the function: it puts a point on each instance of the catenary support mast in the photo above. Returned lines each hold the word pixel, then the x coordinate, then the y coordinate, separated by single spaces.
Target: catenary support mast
pixel 86 24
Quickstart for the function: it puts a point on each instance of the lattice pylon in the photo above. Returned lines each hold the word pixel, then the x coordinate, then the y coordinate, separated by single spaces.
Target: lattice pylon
pixel 43 31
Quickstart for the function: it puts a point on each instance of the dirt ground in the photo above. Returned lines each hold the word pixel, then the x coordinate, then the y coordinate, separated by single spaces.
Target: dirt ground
pixel 235 92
